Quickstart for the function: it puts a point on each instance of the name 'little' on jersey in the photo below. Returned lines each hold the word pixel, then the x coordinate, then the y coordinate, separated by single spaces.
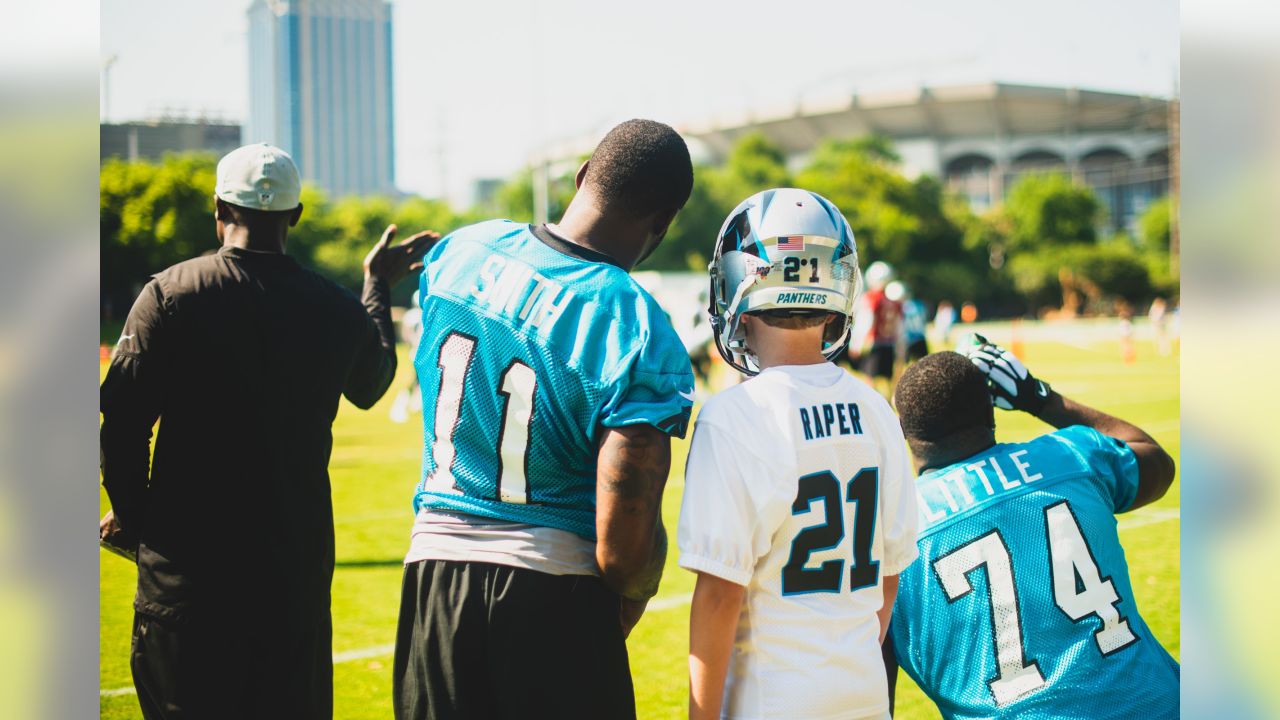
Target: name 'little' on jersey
pixel 541 342
pixel 1020 605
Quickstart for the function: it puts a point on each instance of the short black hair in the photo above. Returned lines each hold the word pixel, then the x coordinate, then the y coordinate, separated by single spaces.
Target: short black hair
pixel 941 395
pixel 641 167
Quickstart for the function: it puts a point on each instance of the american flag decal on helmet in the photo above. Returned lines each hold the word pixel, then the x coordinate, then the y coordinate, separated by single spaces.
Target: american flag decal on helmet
pixel 791 242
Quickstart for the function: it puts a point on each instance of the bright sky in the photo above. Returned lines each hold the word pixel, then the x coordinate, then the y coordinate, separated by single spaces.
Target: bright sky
pixel 481 84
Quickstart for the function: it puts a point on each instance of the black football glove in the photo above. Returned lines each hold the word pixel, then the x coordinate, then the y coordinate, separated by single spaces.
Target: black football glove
pixel 1012 386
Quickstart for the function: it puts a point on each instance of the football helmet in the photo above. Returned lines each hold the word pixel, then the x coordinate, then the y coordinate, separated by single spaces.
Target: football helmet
pixel 783 250
pixel 879 274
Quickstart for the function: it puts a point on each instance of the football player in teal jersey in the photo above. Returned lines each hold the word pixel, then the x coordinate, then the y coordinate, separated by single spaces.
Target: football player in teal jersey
pixel 552 383
pixel 1020 604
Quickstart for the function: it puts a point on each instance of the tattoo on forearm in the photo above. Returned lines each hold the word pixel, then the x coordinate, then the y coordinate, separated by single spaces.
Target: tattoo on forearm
pixel 634 468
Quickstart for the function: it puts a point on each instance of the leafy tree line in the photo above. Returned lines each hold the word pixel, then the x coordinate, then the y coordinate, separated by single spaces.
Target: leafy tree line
pixel 1040 249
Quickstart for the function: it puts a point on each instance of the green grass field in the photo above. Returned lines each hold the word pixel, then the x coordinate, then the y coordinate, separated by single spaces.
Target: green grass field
pixel 375 466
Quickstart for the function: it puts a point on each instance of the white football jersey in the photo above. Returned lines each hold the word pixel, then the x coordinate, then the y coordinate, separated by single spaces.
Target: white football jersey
pixel 798 487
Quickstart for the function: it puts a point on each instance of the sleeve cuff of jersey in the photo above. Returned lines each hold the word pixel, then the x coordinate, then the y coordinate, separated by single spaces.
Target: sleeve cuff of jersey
pixel 697 563
pixel 676 424
pixel 900 562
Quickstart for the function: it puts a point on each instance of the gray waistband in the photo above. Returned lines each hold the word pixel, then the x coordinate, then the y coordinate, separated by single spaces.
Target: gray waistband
pixel 469 538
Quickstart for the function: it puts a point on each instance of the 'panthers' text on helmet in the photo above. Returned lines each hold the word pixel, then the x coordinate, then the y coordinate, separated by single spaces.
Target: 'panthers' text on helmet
pixel 784 250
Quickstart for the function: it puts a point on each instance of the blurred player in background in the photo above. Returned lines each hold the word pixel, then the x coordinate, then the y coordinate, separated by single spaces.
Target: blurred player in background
pixel 409 399
pixel 1158 314
pixel 914 320
pixel 944 317
pixel 799 510
pixel 699 344
pixel 877 330
pixel 553 385
pixel 242 355
pixel 1021 605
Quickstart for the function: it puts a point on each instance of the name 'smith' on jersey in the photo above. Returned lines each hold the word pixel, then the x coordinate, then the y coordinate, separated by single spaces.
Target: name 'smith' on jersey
pixel 532 345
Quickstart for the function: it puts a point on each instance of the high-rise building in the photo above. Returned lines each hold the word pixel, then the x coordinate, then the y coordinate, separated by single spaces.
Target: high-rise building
pixel 320 87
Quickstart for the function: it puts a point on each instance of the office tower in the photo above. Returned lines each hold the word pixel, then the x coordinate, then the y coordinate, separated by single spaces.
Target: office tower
pixel 320 87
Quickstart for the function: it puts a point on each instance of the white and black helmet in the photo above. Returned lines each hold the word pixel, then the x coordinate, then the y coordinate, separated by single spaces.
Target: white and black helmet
pixel 879 275
pixel 784 250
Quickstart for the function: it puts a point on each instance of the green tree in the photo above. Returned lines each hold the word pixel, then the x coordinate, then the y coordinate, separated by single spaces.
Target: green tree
pixel 1155 224
pixel 514 199
pixel 1049 209
pixel 692 237
pixel 352 225
pixel 1087 277
pixel 152 215
pixel 754 164
pixel 909 224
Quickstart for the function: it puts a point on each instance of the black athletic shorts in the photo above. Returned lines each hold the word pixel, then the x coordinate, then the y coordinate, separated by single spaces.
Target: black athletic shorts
pixel 480 641
pixel 878 361
pixel 917 349
pixel 215 665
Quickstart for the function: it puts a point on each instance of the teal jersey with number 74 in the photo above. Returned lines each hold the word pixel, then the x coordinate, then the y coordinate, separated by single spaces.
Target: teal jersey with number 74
pixel 530 346
pixel 1020 604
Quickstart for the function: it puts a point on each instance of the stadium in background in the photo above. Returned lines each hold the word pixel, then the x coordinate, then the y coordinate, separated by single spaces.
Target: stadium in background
pixel 977 138
pixel 320 88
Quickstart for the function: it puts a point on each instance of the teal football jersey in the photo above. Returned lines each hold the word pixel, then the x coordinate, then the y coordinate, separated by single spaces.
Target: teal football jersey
pixel 1020 603
pixel 530 345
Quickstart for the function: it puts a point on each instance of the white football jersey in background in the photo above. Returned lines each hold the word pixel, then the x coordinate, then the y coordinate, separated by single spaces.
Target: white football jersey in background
pixel 799 487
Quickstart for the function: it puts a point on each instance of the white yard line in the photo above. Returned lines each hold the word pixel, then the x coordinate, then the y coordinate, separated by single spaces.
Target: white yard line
pixel 659 604
pixel 117 691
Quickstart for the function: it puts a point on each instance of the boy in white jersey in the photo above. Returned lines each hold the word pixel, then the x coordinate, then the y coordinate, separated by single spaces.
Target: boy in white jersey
pixel 799 510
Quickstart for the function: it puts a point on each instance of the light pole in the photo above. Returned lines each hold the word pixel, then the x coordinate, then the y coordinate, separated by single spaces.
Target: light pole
pixel 107 62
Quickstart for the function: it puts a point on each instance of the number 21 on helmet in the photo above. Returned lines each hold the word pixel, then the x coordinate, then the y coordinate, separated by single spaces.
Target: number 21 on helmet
pixel 785 251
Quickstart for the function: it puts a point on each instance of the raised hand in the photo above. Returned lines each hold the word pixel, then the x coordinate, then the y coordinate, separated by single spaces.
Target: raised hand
pixel 392 262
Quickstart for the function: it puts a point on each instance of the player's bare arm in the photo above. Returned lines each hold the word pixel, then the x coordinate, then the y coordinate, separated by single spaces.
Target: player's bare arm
pixel 713 621
pixel 889 586
pixel 630 540
pixel 1155 465
pixel 1013 387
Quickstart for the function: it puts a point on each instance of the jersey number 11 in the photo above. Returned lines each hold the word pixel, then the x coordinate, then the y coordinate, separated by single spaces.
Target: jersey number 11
pixel 516 387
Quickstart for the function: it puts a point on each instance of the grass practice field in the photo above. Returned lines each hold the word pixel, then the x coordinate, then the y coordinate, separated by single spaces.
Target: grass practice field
pixel 376 462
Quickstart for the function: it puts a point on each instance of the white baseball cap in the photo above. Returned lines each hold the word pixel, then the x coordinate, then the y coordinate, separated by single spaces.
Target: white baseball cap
pixel 259 177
